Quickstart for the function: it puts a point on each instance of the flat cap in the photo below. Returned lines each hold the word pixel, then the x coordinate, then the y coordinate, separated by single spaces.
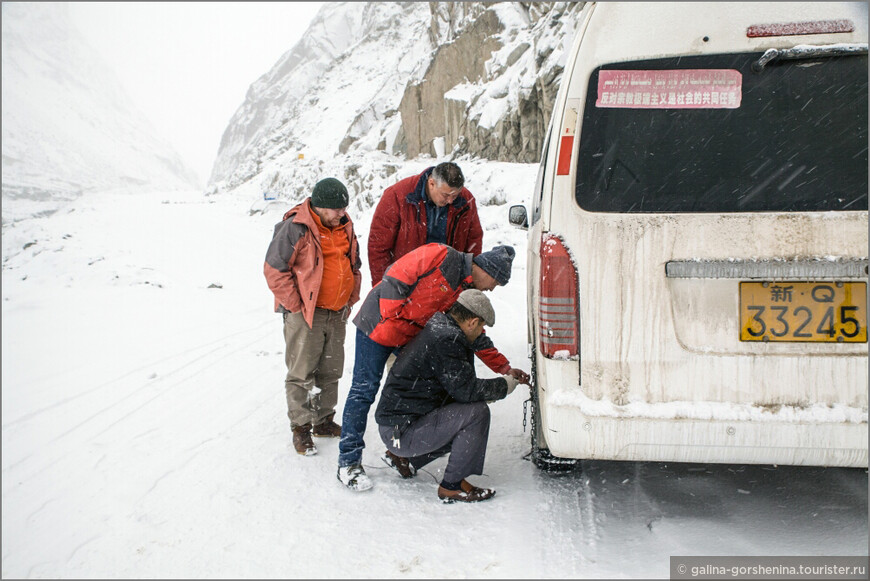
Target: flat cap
pixel 478 303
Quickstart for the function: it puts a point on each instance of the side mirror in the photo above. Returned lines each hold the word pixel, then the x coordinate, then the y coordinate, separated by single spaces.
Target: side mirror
pixel 518 216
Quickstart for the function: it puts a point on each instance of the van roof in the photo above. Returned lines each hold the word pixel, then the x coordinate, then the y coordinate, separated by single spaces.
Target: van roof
pixel 633 30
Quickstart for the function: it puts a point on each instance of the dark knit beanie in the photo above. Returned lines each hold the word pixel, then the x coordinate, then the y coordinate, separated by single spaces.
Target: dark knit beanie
pixel 497 263
pixel 329 193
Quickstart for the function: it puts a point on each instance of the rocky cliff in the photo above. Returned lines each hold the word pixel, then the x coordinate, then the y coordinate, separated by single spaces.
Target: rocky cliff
pixel 489 91
pixel 401 80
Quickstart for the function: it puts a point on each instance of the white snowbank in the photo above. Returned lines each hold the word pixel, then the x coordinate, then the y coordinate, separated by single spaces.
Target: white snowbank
pixel 818 413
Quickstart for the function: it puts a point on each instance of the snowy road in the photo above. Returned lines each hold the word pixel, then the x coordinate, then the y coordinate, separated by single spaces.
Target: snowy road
pixel 652 510
pixel 144 435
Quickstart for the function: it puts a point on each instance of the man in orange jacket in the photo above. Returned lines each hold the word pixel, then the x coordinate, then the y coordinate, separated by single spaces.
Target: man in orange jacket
pixel 313 269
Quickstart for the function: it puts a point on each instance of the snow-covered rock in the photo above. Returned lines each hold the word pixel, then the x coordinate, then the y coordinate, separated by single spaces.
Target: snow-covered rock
pixel 382 83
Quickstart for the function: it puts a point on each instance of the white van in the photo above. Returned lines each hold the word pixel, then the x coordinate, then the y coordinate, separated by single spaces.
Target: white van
pixel 698 238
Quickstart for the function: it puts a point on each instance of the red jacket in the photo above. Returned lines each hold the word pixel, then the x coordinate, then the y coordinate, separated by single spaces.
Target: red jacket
pixel 418 285
pixel 399 224
pixel 294 262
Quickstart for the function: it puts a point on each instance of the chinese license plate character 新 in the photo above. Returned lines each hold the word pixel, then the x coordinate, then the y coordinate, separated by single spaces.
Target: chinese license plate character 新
pixel 827 311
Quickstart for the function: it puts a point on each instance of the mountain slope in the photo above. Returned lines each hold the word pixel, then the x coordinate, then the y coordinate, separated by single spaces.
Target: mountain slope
pixel 371 85
pixel 346 67
pixel 68 127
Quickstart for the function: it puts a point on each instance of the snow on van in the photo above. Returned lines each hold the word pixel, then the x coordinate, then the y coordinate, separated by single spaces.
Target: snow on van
pixel 698 238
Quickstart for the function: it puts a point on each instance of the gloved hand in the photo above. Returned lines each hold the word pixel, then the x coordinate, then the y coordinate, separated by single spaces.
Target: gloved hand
pixel 511 382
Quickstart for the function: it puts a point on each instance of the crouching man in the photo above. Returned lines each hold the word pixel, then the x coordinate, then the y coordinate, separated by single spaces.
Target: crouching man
pixel 433 403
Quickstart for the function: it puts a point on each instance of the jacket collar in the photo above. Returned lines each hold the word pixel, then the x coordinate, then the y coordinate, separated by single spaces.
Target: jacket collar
pixel 445 321
pixel 467 263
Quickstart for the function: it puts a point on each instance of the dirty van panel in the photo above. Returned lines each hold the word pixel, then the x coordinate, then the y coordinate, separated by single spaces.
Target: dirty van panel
pixel 709 134
pixel 710 199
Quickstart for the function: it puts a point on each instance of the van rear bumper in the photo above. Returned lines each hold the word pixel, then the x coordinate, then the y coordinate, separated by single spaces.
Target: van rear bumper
pixel 571 434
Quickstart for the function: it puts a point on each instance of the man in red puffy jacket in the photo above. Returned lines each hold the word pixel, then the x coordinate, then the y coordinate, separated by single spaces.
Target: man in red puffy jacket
pixel 418 285
pixel 433 206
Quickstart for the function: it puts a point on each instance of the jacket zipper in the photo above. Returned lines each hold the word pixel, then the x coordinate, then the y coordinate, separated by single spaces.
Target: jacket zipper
pixel 452 234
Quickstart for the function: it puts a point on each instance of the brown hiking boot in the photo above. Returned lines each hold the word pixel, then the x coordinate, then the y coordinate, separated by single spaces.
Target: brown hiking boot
pixel 399 464
pixel 302 440
pixel 327 428
pixel 469 493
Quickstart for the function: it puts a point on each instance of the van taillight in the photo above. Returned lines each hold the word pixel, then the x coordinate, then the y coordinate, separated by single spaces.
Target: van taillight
pixel 558 324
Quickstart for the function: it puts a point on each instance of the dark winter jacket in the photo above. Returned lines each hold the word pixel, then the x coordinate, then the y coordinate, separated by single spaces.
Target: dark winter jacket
pixel 294 262
pixel 436 368
pixel 399 224
pixel 420 284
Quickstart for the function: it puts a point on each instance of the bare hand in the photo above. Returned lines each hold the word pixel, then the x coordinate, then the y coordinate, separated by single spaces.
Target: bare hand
pixel 520 375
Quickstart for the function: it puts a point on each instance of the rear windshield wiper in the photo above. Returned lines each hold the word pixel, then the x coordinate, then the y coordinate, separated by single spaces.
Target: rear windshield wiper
pixel 808 51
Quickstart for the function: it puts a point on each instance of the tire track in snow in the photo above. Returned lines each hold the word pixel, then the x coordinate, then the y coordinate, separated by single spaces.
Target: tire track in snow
pixel 191 453
pixel 219 354
pixel 569 525
pixel 166 390
pixel 71 399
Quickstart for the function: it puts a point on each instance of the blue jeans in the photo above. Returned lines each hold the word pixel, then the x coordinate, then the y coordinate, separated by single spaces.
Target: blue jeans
pixel 368 370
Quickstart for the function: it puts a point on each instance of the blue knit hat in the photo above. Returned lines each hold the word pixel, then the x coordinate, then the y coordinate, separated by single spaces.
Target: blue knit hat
pixel 497 263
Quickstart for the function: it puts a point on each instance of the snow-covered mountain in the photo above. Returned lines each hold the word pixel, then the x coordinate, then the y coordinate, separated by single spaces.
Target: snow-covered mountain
pixel 372 85
pixel 68 126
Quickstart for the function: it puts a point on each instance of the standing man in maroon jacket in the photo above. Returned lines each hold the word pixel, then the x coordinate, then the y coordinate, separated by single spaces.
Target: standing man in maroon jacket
pixel 433 206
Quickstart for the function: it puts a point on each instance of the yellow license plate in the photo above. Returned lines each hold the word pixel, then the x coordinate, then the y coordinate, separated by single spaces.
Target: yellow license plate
pixel 833 312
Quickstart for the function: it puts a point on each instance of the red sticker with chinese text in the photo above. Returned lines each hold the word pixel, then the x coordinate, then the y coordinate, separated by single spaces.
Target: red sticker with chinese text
pixel 671 89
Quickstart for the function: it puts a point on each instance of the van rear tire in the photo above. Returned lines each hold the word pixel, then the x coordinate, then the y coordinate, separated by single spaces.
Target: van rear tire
pixel 546 462
pixel 540 454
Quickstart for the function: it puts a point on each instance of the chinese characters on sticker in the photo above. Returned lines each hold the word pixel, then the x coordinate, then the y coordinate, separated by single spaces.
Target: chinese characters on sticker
pixel 670 89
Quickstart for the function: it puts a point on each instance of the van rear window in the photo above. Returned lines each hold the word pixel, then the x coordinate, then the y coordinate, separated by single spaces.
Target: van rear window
pixel 789 138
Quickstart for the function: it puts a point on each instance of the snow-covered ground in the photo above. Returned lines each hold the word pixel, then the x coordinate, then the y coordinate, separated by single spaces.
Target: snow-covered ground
pixel 144 431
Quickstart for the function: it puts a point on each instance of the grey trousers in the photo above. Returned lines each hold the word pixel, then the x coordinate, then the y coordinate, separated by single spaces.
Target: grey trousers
pixel 460 429
pixel 315 362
